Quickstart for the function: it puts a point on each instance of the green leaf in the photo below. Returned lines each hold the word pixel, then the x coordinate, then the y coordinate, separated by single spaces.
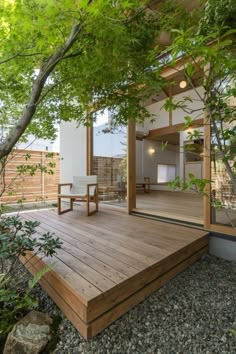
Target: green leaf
pixel 38 276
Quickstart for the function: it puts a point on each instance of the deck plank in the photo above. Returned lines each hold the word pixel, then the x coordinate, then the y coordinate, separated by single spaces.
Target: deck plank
pixel 111 261
pixel 137 259
pixel 119 267
pixel 141 248
pixel 84 257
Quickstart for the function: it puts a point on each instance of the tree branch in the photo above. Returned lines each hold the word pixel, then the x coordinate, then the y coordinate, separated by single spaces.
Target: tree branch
pixel 30 108
pixel 18 55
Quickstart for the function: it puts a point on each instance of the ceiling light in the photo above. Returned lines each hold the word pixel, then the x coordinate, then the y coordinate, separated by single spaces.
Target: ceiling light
pixel 182 84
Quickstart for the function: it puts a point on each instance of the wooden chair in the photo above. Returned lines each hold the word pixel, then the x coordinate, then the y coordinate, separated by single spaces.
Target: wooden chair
pixel 83 189
pixel 143 186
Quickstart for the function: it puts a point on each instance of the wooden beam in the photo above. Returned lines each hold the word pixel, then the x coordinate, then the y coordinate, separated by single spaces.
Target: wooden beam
pixel 223 229
pixel 172 129
pixel 131 166
pixel 166 92
pixel 169 72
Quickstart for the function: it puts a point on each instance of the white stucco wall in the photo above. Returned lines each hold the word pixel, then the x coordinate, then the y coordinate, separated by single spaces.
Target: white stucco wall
pixel 109 144
pixel 196 105
pixel 139 160
pixel 72 150
pixel 161 117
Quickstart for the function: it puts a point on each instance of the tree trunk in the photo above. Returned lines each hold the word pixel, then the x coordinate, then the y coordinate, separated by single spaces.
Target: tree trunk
pixel 30 108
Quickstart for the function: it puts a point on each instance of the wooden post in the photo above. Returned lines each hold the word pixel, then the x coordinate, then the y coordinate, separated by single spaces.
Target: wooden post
pixel 89 154
pixel 42 158
pixel 131 166
pixel 207 171
pixel 171 111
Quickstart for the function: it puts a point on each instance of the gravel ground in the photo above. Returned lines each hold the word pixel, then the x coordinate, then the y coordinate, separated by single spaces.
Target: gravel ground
pixel 194 313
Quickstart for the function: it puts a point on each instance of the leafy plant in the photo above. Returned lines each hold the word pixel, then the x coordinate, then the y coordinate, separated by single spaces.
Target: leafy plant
pixel 194 184
pixel 17 238
pixel 209 50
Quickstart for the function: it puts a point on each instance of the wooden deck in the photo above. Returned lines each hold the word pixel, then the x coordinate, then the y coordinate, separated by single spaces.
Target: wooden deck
pixel 170 204
pixel 183 206
pixel 111 261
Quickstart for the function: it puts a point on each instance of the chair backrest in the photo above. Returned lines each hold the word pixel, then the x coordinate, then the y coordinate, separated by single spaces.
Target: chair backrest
pixel 79 184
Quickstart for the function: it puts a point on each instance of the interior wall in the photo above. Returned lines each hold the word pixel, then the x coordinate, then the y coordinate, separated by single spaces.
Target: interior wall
pixel 146 162
pixel 161 119
pixel 139 160
pixel 72 150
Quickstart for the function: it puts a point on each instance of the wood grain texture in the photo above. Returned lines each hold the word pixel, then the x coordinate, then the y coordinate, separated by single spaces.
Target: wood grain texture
pixel 176 128
pixel 171 204
pixel 207 169
pixel 39 187
pixel 131 166
pixel 111 261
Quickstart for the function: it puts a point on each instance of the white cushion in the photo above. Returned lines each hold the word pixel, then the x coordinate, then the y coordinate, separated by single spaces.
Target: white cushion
pixel 79 185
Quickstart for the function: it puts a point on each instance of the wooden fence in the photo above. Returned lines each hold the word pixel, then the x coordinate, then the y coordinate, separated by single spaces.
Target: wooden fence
pixel 22 187
pixel 108 170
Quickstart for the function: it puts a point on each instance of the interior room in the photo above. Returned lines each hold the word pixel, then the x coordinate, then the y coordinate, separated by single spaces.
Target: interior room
pixel 162 159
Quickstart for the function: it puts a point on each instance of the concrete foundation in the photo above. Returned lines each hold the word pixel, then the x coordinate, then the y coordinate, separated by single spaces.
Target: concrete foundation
pixel 223 247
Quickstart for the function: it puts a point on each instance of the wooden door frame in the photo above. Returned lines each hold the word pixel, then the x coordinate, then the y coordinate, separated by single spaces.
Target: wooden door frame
pixel 131 172
pixel 131 166
pixel 207 172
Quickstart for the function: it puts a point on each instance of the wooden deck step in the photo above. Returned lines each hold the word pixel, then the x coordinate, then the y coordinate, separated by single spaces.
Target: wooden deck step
pixel 110 262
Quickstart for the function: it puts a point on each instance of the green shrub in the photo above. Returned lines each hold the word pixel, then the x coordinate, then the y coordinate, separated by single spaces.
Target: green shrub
pixel 18 237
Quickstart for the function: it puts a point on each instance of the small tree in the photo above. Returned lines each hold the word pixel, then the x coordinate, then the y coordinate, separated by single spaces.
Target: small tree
pixel 17 239
pixel 61 60
pixel 210 51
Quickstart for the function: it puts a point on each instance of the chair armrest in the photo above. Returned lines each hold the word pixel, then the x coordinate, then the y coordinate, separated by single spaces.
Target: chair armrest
pixel 62 185
pixel 92 185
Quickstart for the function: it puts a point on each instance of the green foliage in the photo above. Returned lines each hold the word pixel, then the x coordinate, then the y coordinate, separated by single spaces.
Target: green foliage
pixel 107 63
pixel 195 184
pixel 194 134
pixel 218 13
pixel 18 237
pixel 14 301
pixel 163 145
pixel 210 53
pixel 32 282
pixel 13 304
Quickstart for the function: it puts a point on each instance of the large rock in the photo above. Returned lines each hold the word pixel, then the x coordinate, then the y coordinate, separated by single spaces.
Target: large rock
pixel 30 335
